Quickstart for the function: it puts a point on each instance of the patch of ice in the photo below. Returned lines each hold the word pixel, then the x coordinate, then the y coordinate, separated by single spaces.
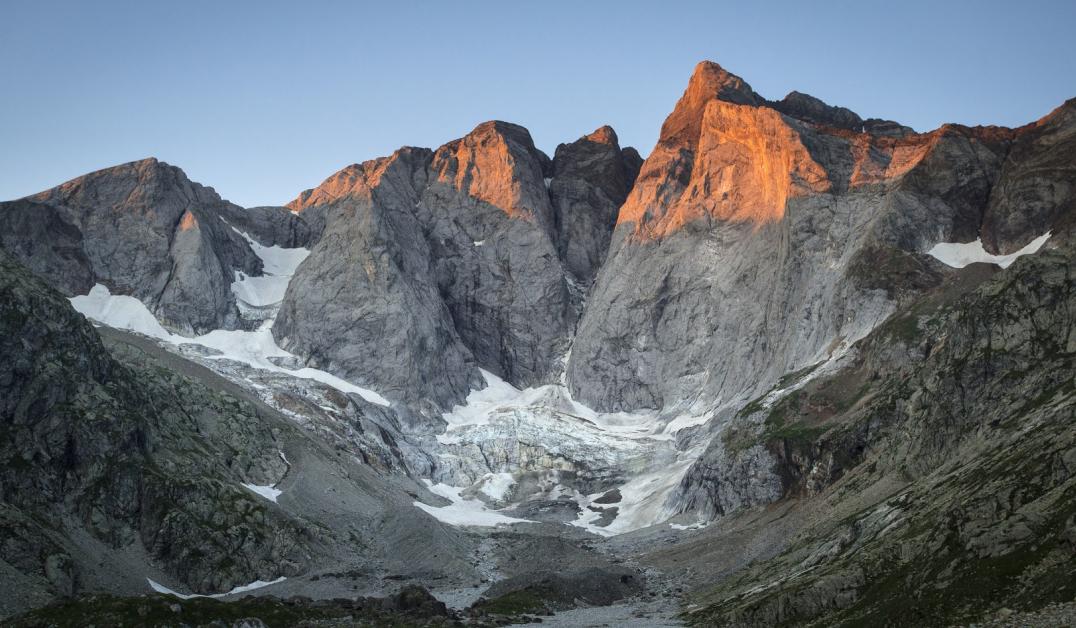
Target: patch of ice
pixel 119 311
pixel 463 512
pixel 548 180
pixel 483 406
pixel 278 266
pixel 698 525
pixel 268 492
pixel 253 348
pixel 961 254
pixel 479 242
pixel 496 485
pixel 257 584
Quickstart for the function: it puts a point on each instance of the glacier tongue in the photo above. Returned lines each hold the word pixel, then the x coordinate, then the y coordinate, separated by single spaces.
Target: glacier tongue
pixel 463 511
pixel 615 470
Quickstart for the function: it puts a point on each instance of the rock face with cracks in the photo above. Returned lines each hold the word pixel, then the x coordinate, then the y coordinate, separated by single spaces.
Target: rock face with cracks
pixel 435 263
pixel 739 255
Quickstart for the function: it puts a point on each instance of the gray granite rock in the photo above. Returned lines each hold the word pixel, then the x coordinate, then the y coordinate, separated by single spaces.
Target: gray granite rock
pixel 147 231
pixel 591 179
pixel 434 263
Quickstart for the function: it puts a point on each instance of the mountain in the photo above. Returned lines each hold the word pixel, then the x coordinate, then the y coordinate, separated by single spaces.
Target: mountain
pixel 442 262
pixel 737 257
pixel 796 367
pixel 142 228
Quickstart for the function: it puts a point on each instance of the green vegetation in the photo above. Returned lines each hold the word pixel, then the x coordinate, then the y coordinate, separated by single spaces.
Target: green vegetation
pixel 515 603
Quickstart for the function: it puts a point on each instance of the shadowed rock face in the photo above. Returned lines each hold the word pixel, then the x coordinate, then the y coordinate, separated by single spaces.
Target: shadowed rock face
pixel 736 257
pixel 125 453
pixel 591 179
pixel 363 304
pixel 143 229
pixel 810 109
pixel 1037 185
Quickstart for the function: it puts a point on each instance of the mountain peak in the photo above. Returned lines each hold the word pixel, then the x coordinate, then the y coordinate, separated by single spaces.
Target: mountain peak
pixel 710 77
pixel 505 129
pixel 708 82
pixel 603 135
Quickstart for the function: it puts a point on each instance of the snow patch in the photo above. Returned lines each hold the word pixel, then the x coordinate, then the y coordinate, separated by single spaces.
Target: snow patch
pixel 261 291
pixel 253 348
pixel 496 485
pixel 268 492
pixel 462 511
pixel 278 266
pixel 276 260
pixel 961 254
pixel 486 405
pixel 119 311
pixel 257 584
pixel 698 525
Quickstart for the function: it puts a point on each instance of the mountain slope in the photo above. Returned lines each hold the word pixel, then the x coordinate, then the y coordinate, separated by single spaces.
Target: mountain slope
pixel 942 459
pixel 735 259
pixel 814 368
pixel 112 454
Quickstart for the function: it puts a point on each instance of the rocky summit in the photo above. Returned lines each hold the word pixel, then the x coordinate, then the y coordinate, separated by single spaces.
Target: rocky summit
pixel 796 367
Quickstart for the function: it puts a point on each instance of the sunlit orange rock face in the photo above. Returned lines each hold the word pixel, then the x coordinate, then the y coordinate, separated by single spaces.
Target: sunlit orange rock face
pixel 496 163
pixel 356 179
pixel 747 164
pixel 721 156
pixel 188 222
pixel 486 167
pixel 726 154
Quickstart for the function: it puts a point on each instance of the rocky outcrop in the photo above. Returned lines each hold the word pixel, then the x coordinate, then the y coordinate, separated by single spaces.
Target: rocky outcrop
pixel 41 236
pixel 127 454
pixel 810 109
pixel 591 179
pixel 272 226
pixel 1037 185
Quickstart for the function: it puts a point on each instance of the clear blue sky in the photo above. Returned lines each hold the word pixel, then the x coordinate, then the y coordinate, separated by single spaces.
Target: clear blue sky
pixel 262 100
